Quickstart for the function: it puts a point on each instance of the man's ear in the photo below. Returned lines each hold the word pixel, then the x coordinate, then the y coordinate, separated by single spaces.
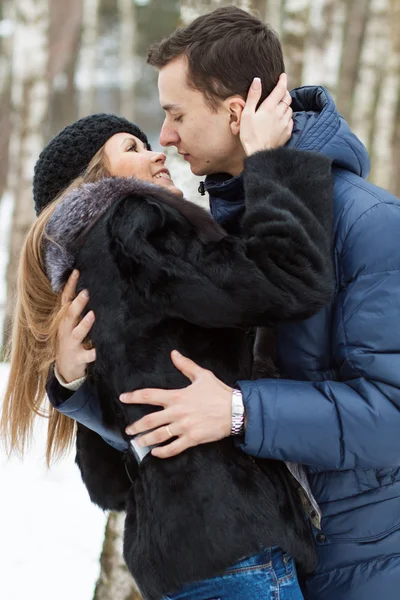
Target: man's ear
pixel 235 106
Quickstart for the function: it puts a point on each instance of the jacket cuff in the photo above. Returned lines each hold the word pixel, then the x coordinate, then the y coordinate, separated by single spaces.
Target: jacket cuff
pixel 84 408
pixel 72 385
pixel 255 426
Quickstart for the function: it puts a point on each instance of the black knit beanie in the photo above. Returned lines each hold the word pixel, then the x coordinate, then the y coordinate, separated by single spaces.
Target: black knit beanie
pixel 69 153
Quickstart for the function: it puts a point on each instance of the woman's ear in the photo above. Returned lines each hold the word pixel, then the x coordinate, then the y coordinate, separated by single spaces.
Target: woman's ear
pixel 236 105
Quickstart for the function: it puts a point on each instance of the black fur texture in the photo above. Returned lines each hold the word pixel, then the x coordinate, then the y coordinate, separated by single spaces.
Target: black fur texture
pixel 162 275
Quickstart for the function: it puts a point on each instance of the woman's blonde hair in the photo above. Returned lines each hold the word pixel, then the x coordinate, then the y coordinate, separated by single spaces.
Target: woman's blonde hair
pixel 33 343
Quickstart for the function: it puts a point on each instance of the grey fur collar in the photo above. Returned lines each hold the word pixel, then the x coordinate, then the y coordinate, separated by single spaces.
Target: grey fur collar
pixel 75 215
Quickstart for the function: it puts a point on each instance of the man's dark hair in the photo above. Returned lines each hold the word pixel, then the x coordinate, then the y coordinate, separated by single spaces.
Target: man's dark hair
pixel 225 49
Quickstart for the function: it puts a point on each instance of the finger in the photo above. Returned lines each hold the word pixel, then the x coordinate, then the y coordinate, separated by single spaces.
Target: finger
pixel 283 110
pixel 77 306
pixel 254 95
pixel 287 98
pixel 278 92
pixel 149 396
pixel 186 366
pixel 80 332
pixel 69 291
pixel 158 436
pixel 152 421
pixel 172 449
pixel 288 116
pixel 89 356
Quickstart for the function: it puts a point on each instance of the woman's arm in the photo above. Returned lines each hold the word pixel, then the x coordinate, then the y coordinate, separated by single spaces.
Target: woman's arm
pixel 280 269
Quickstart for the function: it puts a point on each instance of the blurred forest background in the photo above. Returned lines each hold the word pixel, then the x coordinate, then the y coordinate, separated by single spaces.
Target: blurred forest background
pixel 63 59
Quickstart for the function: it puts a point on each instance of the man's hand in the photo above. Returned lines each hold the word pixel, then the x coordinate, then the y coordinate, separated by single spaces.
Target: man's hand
pixel 269 126
pixel 72 357
pixel 198 414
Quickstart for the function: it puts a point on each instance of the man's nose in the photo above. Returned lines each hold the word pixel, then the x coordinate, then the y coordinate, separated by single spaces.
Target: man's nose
pixel 168 135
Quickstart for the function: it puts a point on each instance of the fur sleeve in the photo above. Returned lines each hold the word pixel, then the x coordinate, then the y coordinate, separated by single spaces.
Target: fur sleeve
pixel 280 269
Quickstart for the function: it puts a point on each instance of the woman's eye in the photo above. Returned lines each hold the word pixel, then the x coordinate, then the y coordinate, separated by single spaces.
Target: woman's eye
pixel 133 147
pixel 178 120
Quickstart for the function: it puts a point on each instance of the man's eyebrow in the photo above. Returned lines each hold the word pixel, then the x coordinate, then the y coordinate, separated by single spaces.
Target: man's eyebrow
pixel 169 107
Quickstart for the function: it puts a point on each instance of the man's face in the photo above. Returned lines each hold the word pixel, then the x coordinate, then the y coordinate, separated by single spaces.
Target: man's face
pixel 203 136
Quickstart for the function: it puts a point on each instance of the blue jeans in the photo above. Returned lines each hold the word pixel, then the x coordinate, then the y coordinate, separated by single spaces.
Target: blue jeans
pixel 270 575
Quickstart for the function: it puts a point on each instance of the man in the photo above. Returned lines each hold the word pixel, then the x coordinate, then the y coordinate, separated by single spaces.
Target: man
pixel 337 409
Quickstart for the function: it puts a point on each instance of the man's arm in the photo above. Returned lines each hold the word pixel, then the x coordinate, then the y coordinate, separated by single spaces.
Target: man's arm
pixel 355 422
pixel 281 268
pixel 352 423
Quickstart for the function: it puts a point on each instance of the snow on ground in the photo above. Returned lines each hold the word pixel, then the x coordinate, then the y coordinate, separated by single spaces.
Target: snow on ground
pixel 50 534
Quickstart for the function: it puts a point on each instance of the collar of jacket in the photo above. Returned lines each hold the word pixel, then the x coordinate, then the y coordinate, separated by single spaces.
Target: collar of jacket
pixel 318 127
pixel 226 199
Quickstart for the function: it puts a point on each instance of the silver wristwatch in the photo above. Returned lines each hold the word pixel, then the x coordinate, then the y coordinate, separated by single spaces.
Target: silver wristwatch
pixel 237 413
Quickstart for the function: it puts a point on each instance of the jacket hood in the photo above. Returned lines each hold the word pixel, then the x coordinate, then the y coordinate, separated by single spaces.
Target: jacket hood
pixel 318 127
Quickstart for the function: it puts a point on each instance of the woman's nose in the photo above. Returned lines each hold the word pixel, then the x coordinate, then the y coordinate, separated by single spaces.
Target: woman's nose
pixel 159 157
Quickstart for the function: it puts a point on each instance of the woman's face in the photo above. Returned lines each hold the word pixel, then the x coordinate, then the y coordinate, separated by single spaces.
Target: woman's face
pixel 127 156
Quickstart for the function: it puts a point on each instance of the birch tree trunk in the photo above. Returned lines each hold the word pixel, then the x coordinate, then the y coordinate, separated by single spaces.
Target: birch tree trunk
pixel 323 47
pixel 115 582
pixel 64 45
pixel 357 13
pixel 128 75
pixel 274 11
pixel 88 56
pixel 293 37
pixel 6 15
pixel 29 101
pixel 370 76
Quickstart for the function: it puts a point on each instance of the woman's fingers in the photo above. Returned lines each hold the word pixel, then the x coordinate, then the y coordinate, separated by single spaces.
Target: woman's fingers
pixel 76 307
pixel 287 99
pixel 254 95
pixel 89 356
pixel 80 332
pixel 278 93
pixel 69 291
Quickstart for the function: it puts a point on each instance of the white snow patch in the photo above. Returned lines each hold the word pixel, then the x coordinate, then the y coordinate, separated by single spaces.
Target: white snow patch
pixel 51 534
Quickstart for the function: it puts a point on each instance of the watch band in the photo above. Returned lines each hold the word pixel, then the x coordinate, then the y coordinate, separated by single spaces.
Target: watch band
pixel 237 413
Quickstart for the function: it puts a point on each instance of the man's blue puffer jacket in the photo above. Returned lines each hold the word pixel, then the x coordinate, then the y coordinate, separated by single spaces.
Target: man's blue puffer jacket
pixel 338 408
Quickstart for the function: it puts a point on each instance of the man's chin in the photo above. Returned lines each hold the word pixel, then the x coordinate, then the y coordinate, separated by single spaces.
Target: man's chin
pixel 201 170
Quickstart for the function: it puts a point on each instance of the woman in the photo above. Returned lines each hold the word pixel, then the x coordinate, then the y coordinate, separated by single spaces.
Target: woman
pixel 162 275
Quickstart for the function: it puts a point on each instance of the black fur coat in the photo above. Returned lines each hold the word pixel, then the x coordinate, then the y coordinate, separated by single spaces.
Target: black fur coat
pixel 162 275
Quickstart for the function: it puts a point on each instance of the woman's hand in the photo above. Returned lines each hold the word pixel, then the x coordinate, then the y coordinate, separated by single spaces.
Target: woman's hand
pixel 271 125
pixel 72 357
